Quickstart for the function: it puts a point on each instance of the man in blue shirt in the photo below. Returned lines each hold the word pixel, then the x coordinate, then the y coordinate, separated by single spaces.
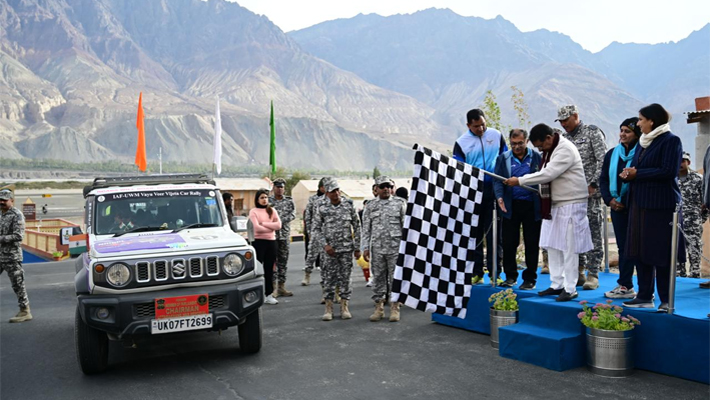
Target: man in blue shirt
pixel 519 207
pixel 480 146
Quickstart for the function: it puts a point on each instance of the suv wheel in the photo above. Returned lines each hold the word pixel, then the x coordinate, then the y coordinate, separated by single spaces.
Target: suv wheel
pixel 250 333
pixel 91 346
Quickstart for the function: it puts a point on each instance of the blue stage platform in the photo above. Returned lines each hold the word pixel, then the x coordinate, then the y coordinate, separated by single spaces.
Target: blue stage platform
pixel 550 335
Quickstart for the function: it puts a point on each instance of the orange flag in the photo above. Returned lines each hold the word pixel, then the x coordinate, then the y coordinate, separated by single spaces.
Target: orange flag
pixel 141 159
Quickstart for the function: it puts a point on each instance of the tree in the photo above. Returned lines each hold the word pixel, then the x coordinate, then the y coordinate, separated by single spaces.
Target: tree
pixel 492 111
pixel 375 173
pixel 521 108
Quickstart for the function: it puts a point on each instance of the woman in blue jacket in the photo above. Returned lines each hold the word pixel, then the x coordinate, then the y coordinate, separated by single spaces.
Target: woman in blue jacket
pixel 653 197
pixel 518 207
pixel 615 195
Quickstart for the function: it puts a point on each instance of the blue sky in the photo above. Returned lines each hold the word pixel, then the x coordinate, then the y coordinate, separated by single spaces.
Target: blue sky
pixel 592 24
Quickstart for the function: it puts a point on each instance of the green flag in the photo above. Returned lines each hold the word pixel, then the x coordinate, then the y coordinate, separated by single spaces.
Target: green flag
pixel 272 154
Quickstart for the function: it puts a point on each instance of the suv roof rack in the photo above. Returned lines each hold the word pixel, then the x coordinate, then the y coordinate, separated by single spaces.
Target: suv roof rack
pixel 147 180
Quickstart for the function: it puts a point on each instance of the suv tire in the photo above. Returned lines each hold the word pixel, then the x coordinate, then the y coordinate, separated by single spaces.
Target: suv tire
pixel 91 347
pixel 250 333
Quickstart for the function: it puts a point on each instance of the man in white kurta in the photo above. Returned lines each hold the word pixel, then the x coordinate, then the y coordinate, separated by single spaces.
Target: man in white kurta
pixel 565 229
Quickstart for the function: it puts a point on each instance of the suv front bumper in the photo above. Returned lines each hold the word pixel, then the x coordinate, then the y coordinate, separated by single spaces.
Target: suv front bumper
pixel 131 314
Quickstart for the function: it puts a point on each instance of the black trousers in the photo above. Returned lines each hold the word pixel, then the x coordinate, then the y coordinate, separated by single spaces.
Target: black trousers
pixel 647 275
pixel 523 213
pixel 266 253
pixel 485 219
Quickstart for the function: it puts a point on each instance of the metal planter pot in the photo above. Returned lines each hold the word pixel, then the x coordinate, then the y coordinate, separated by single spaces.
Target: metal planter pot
pixel 610 353
pixel 498 319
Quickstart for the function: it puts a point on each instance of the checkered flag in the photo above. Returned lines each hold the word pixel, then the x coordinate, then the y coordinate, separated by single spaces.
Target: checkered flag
pixel 435 263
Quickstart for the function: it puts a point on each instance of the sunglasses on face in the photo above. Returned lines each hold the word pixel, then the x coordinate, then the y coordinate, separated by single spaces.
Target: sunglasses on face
pixel 385 186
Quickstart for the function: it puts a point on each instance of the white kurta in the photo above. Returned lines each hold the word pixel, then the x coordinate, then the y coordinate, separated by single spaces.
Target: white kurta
pixel 554 231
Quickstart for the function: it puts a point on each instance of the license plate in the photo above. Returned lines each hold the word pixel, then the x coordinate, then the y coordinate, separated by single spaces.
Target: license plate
pixel 167 325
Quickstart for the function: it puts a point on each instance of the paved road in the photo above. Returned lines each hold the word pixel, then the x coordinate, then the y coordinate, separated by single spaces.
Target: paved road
pixel 302 357
pixel 62 204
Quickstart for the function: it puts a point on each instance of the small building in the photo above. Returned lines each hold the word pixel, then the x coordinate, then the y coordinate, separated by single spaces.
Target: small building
pixel 301 192
pixel 701 116
pixel 244 191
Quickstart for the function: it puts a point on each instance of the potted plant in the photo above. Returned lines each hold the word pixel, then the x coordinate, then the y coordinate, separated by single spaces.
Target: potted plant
pixel 57 255
pixel 504 311
pixel 609 339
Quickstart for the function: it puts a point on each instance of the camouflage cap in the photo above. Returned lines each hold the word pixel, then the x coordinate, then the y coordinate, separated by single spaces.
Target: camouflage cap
pixel 331 185
pixel 281 182
pixel 6 194
pixel 686 156
pixel 565 112
pixel 383 179
pixel 323 181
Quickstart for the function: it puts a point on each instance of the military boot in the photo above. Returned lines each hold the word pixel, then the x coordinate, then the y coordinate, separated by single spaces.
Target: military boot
pixel 581 279
pixel 379 311
pixel 328 316
pixel 23 315
pixel 306 279
pixel 394 311
pixel 282 290
pixel 592 282
pixel 344 311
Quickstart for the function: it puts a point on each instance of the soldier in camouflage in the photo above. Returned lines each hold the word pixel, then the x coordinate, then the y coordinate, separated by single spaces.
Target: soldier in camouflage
pixel 336 233
pixel 691 189
pixel 312 257
pixel 590 142
pixel 382 222
pixel 287 212
pixel 12 231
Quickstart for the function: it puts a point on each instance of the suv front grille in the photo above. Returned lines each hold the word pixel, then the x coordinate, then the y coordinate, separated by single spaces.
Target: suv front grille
pixel 212 265
pixel 161 270
pixel 144 310
pixel 195 267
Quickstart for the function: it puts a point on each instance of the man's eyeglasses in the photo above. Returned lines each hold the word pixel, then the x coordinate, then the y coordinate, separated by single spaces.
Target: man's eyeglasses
pixel 513 144
pixel 385 186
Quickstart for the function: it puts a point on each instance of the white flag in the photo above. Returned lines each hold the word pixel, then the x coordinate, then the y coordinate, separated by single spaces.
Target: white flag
pixel 217 140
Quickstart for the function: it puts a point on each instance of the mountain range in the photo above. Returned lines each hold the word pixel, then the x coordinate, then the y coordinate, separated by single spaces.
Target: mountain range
pixel 348 94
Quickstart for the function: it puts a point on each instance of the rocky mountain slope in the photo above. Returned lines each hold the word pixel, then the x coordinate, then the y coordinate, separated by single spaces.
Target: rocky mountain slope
pixel 449 62
pixel 72 71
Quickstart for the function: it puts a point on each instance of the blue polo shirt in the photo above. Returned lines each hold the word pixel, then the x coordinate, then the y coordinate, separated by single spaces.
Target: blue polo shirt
pixel 519 168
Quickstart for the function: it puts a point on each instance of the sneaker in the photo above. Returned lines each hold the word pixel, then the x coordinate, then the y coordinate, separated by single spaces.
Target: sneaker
pixel 476 280
pixel 270 300
pixel 620 292
pixel 564 296
pixel 638 303
pixel 664 307
pixel 508 283
pixel 369 283
pixel 527 286
pixel 499 281
pixel 550 291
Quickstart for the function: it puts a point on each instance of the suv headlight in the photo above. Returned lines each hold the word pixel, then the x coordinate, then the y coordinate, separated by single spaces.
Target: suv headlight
pixel 118 275
pixel 233 265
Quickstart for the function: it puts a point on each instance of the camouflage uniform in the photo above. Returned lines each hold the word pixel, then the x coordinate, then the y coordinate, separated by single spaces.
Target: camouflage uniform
pixel 12 230
pixel 591 145
pixel 691 189
pixel 382 222
pixel 312 255
pixel 287 212
pixel 339 227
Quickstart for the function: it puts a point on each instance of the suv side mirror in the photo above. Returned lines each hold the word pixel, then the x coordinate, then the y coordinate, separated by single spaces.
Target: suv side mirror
pixel 239 224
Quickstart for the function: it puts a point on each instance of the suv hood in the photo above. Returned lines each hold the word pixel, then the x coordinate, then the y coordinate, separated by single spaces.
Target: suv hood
pixel 166 242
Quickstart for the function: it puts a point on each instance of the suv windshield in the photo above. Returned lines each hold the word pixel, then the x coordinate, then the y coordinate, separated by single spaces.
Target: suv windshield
pixel 156 210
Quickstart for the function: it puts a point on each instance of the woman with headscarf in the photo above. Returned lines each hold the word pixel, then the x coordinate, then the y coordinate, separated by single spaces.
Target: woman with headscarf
pixel 615 195
pixel 653 197
pixel 266 222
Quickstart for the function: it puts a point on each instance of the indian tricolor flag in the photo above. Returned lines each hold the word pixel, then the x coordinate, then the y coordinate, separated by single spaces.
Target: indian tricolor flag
pixel 78 244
